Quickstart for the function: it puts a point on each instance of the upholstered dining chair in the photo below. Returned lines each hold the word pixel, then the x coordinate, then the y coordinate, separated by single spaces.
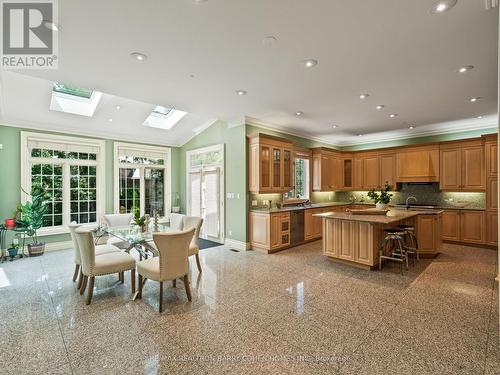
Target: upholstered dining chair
pixel 171 264
pixel 117 220
pixel 99 250
pixel 104 264
pixel 176 221
pixel 194 247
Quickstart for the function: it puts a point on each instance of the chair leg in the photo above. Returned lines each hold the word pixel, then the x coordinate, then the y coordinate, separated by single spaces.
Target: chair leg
pixel 75 274
pixel 119 276
pixel 132 279
pixel 198 264
pixel 161 296
pixel 80 279
pixel 174 283
pixel 90 292
pixel 84 284
pixel 122 275
pixel 188 288
pixel 139 295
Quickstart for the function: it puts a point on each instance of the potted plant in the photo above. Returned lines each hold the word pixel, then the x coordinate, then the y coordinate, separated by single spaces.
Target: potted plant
pixel 140 221
pixel 11 222
pixel 13 249
pixel 383 198
pixel 32 218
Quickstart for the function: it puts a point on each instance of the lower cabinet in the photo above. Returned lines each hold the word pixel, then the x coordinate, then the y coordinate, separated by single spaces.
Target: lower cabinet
pixel 269 231
pixel 468 226
pixel 492 228
pixel 429 233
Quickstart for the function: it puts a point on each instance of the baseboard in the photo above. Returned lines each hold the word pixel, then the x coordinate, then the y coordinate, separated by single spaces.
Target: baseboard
pixel 237 245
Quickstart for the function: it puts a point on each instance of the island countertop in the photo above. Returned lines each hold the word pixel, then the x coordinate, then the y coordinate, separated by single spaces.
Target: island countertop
pixel 392 216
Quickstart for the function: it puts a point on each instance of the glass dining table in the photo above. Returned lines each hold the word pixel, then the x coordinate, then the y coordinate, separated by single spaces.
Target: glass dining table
pixel 133 237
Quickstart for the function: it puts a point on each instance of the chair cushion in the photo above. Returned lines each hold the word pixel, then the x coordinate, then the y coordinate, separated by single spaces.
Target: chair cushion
pixel 150 268
pixel 113 262
pixel 106 249
pixel 193 249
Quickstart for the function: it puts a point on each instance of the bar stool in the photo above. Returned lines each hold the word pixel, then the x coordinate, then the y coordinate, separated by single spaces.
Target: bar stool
pixel 410 240
pixel 394 239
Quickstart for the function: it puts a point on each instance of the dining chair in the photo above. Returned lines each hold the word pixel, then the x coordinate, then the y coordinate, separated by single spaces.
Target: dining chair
pixel 117 220
pixel 171 264
pixel 104 264
pixel 99 250
pixel 176 221
pixel 194 247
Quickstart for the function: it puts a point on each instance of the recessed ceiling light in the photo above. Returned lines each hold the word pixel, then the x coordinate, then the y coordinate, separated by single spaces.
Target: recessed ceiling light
pixel 476 99
pixel 380 106
pixel 442 6
pixel 268 40
pixel 479 116
pixel 138 56
pixel 335 126
pixel 392 115
pixel 110 119
pixel 364 96
pixel 241 92
pixel 51 25
pixel 299 113
pixel 465 68
pixel 360 135
pixel 118 107
pixel 310 63
pixel 191 76
pixel 411 127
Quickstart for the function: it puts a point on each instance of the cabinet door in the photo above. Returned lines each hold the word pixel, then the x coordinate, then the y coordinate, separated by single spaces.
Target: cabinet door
pixel 260 230
pixel 285 229
pixel 364 249
pixel 348 242
pixel 472 226
pixel 427 230
pixel 287 170
pixel 275 230
pixel 317 224
pixel 308 224
pixel 450 228
pixel 347 174
pixel 335 173
pixel 491 159
pixel 492 194
pixel 325 173
pixel 450 171
pixel 358 174
pixel 473 168
pixel 276 171
pixel 371 172
pixel 492 228
pixel 388 170
pixel 265 167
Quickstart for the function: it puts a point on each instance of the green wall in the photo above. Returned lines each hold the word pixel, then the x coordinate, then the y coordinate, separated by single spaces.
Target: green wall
pixel 235 153
pixel 10 174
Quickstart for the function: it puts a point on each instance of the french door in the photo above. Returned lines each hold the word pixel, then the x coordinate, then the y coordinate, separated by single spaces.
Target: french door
pixel 205 200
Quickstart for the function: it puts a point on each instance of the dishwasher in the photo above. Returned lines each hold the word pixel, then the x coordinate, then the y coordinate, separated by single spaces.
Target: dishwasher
pixel 296 227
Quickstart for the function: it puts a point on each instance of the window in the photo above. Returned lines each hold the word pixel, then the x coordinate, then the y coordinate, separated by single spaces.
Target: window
pixel 301 176
pixel 74 100
pixel 71 172
pixel 142 179
pixel 164 118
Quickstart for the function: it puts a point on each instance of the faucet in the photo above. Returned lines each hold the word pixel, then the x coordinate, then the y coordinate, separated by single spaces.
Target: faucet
pixel 407 199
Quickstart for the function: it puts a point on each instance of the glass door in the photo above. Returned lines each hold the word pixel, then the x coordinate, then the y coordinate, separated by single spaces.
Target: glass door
pixel 276 168
pixel 210 203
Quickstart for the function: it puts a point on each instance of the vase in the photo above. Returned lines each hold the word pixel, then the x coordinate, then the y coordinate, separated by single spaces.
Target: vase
pixel 10 223
pixel 381 206
pixel 36 249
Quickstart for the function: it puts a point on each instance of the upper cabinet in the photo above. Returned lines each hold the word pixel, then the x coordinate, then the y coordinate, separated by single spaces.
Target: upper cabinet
pixel 462 166
pixel 491 152
pixel 373 169
pixel 327 170
pixel 269 164
pixel 417 164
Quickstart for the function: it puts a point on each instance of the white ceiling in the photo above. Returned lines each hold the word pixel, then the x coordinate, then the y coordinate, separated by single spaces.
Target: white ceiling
pixel 404 57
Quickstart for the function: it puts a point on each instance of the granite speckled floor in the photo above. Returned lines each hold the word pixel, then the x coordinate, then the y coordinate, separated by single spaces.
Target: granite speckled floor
pixel 291 312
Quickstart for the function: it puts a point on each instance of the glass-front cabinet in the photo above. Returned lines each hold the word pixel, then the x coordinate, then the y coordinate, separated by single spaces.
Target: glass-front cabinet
pixel 270 164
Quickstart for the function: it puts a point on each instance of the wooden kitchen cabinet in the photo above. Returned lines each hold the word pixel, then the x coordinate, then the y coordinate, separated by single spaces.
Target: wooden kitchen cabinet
pixel 492 228
pixel 313 225
pixel 327 170
pixel 357 173
pixel 462 166
pixel 347 173
pixel 491 154
pixel 417 164
pixel 492 194
pixel 468 226
pixel 371 172
pixel 388 170
pixel 270 164
pixel 429 233
pixel 269 231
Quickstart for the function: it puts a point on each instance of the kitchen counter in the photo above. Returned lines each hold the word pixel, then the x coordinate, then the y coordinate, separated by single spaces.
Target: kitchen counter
pixel 392 216
pixel 309 206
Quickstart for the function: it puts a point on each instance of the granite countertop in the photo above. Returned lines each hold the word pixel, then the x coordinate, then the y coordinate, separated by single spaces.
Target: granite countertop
pixel 312 205
pixel 391 217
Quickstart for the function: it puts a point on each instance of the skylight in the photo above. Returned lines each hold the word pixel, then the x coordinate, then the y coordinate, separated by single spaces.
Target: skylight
pixel 74 100
pixel 163 118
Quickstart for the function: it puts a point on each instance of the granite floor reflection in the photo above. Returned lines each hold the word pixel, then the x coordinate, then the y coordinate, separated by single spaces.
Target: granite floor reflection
pixel 291 312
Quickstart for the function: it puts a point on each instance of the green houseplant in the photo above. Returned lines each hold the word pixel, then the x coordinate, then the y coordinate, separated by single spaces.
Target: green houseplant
pixel 383 198
pixel 32 218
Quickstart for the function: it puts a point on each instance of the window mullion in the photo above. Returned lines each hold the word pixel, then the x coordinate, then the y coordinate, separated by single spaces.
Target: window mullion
pixel 142 190
pixel 66 194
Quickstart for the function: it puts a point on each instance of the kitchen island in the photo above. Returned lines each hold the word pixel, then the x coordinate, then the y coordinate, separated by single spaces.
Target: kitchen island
pixel 356 239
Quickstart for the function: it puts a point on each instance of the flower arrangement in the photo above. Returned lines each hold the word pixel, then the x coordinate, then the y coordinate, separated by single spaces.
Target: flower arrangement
pixel 384 197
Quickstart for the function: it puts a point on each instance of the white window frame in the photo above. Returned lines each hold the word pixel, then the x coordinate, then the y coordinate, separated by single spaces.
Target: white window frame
pixel 143 149
pixel 189 169
pixel 299 155
pixel 46 139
